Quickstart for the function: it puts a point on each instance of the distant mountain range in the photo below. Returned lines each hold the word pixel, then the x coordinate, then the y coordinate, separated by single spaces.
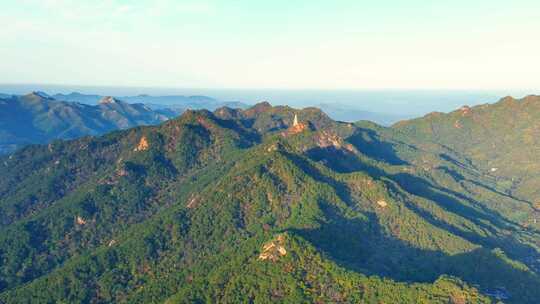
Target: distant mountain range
pixel 40 118
pixel 351 114
pixel 179 102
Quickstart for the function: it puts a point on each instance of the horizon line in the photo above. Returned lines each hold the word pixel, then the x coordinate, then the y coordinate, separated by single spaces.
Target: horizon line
pixel 367 89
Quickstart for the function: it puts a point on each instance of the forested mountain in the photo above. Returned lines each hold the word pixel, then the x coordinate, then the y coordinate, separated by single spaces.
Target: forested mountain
pixel 179 103
pixel 38 118
pixel 501 139
pixel 267 204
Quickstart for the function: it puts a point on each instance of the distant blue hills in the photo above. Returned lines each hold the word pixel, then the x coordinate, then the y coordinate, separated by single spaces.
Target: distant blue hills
pixel 38 118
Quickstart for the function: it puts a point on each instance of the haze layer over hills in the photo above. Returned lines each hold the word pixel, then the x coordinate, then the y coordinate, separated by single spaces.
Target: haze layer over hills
pixel 275 204
pixel 39 118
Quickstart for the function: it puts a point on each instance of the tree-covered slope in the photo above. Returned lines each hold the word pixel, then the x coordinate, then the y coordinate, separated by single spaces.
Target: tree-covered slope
pixel 500 139
pixel 245 206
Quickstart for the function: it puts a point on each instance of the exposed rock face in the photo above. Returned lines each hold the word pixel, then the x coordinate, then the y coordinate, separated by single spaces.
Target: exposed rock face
pixel 273 148
pixel 465 110
pixel 382 203
pixel 80 221
pixel 143 145
pixel 107 100
pixel 274 249
pixel 326 139
pixel 300 127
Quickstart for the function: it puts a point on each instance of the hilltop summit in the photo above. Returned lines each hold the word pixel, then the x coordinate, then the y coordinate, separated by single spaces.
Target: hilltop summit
pixel 108 100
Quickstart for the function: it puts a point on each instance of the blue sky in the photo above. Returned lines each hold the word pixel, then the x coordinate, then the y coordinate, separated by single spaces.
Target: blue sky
pixel 273 44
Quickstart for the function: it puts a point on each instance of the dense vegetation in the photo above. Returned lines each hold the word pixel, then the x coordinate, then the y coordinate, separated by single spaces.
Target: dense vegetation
pixel 502 139
pixel 243 206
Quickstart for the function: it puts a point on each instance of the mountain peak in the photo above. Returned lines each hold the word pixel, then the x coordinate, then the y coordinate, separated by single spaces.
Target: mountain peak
pixel 41 94
pixel 261 106
pixel 521 102
pixel 38 95
pixel 531 98
pixel 195 115
pixel 508 99
pixel 227 113
pixel 108 100
pixel 75 94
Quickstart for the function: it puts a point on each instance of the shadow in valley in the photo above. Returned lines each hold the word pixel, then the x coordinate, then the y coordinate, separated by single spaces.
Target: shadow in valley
pixel 460 204
pixel 340 188
pixel 450 201
pixel 369 143
pixel 340 160
pixel 456 203
pixel 363 246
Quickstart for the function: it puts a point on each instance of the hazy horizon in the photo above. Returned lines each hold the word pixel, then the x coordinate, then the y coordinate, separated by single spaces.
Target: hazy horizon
pixel 392 57
pixel 401 104
pixel 280 44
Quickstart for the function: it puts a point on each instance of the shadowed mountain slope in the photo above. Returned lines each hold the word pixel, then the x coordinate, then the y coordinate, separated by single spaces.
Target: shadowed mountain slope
pixel 38 118
pixel 501 139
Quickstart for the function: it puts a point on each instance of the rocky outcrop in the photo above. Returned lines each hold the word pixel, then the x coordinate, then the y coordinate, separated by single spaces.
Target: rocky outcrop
pixel 80 221
pixel 465 110
pixel 107 100
pixel 274 249
pixel 382 203
pixel 326 139
pixel 143 145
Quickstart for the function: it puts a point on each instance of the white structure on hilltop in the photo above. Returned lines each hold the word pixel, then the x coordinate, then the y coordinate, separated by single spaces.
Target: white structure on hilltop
pixel 295 121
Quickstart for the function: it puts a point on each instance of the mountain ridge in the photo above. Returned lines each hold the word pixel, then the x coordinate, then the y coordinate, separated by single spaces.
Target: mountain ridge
pixel 183 212
pixel 47 119
pixel 499 137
